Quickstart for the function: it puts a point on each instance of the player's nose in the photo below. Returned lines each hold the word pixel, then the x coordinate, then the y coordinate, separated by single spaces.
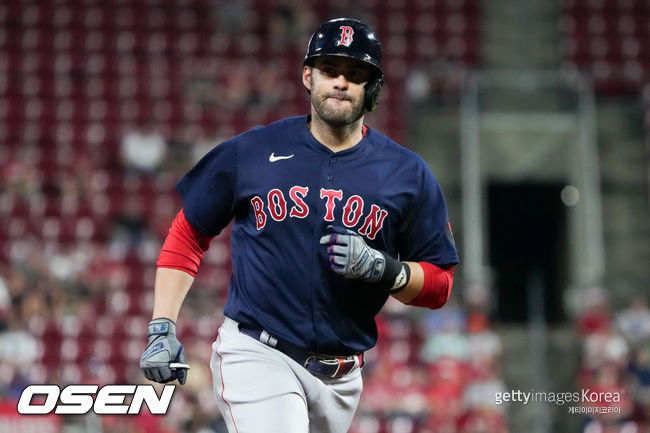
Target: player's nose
pixel 340 82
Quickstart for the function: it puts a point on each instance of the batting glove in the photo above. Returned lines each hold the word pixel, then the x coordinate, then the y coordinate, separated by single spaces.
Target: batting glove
pixel 164 359
pixel 351 257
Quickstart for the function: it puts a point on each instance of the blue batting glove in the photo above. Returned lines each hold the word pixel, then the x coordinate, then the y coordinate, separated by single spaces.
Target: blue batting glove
pixel 351 257
pixel 164 359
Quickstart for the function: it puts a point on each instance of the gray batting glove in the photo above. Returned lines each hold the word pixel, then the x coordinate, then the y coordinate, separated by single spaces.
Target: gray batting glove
pixel 164 359
pixel 351 257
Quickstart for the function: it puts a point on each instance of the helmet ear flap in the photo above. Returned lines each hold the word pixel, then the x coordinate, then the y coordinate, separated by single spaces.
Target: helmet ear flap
pixel 372 93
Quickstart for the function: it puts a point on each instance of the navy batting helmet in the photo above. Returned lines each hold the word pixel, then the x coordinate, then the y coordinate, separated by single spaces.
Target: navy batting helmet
pixel 348 37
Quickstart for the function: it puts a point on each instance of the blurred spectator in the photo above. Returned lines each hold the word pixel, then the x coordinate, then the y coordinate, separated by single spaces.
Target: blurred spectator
pixel 436 80
pixel 634 321
pixel 281 24
pixel 481 414
pixel 202 89
pixel 103 272
pixel 130 224
pixel 481 390
pixel 143 150
pixel 236 91
pixel 235 18
pixel 616 362
pixel 482 420
pixel 344 8
pixel 5 301
pixel 450 343
pixel 608 380
pixel 287 25
pixel 478 297
pixel 21 181
pixel 639 386
pixel 595 314
pixel 452 317
pixel 141 423
pixel 641 413
pixel 639 370
pixel 482 341
pixel 17 346
pixel 270 89
pixel 66 262
pixel 604 347
pixel 181 148
pixel 378 387
pixel 444 336
pixel 305 19
pixel 131 232
pixel 418 86
pixel 448 380
pixel 209 141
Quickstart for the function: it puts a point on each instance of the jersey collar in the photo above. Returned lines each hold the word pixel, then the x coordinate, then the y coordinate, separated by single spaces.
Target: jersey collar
pixel 304 136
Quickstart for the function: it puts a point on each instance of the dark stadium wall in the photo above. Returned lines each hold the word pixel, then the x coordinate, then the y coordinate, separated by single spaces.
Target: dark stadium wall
pixel 528 247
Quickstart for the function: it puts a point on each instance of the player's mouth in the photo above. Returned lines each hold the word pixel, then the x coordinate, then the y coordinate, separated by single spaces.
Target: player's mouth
pixel 339 97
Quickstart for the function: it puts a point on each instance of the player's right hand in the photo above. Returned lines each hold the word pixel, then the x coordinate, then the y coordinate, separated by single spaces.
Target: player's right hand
pixel 164 359
pixel 351 257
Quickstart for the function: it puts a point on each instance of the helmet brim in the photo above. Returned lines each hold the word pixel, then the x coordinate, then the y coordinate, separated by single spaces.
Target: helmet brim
pixel 309 61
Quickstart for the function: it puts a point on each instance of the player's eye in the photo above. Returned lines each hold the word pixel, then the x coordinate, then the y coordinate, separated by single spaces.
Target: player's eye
pixel 330 71
pixel 357 76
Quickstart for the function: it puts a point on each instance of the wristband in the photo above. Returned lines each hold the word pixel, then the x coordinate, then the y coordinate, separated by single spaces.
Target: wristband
pixel 396 275
pixel 402 279
pixel 161 326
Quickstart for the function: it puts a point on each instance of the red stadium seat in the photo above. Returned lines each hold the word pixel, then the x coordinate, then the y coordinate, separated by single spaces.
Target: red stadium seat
pixel 605 37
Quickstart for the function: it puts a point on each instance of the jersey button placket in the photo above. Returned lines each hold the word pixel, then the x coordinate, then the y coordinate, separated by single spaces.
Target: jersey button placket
pixel 329 174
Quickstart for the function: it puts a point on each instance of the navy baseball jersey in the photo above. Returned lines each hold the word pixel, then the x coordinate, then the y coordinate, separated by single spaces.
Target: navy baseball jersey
pixel 283 188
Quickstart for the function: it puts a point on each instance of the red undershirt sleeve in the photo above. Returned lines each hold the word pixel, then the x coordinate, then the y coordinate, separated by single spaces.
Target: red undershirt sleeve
pixel 184 247
pixel 437 286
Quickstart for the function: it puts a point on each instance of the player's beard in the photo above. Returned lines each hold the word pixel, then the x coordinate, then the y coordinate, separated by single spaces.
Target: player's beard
pixel 346 114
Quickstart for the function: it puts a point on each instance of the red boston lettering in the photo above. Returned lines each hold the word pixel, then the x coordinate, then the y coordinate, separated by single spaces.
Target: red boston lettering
pixel 374 222
pixel 300 210
pixel 258 208
pixel 352 211
pixel 277 205
pixel 331 194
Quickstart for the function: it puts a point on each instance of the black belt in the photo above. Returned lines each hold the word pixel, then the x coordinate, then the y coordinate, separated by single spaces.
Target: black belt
pixel 318 365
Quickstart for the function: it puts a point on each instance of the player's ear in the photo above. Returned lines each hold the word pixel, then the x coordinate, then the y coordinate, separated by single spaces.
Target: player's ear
pixel 306 77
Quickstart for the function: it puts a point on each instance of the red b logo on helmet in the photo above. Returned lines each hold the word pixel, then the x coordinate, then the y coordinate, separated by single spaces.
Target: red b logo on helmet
pixel 346 36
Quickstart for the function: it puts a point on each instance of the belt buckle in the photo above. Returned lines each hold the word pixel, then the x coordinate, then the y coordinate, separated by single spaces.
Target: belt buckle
pixel 309 360
pixel 341 366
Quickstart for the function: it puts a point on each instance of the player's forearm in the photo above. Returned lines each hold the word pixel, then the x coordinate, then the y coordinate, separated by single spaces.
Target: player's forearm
pixel 414 286
pixel 429 285
pixel 170 289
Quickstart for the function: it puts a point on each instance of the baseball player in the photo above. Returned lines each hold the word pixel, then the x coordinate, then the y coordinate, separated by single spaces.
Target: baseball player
pixel 330 219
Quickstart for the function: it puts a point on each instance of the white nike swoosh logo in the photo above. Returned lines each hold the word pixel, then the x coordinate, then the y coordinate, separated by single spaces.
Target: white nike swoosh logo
pixel 274 158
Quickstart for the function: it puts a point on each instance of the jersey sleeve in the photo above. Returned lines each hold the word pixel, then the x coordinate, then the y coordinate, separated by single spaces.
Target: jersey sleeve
pixel 426 235
pixel 208 190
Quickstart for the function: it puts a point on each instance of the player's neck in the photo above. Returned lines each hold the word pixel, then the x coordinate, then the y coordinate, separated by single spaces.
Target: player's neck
pixel 336 138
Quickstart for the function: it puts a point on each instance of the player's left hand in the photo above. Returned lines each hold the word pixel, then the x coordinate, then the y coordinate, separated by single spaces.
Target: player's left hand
pixel 164 359
pixel 351 257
